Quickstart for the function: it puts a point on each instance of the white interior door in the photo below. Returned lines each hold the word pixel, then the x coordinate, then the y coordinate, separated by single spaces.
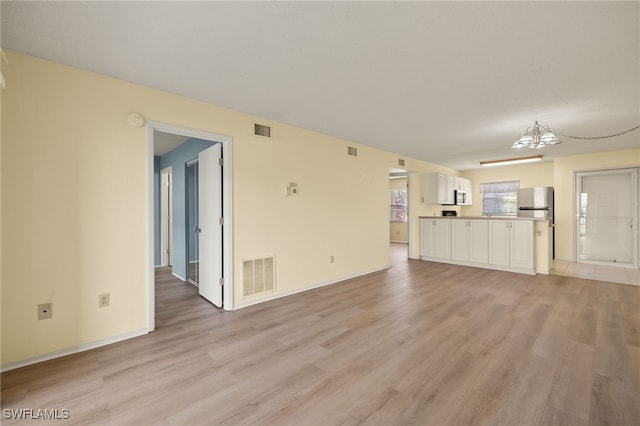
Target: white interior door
pixel 606 219
pixel 210 213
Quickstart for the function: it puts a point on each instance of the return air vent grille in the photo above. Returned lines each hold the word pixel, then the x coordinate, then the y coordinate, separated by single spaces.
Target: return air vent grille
pixel 400 162
pixel 258 276
pixel 262 130
pixel 352 151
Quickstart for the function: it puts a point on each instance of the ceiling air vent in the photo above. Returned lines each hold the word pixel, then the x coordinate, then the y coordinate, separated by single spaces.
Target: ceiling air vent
pixel 352 151
pixel 400 162
pixel 262 130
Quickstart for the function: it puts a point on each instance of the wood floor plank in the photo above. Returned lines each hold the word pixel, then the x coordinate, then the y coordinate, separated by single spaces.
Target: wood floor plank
pixel 613 402
pixel 419 343
pixel 571 388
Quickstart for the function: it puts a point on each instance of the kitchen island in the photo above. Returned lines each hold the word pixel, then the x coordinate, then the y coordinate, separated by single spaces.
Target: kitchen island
pixel 506 243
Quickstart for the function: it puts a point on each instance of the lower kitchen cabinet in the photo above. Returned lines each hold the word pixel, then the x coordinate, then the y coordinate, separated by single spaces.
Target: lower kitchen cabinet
pixel 435 238
pixel 511 244
pixel 507 245
pixel 522 245
pixel 469 240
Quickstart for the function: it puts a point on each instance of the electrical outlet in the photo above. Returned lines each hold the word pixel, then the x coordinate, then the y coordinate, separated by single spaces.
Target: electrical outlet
pixel 332 259
pixel 103 300
pixel 45 311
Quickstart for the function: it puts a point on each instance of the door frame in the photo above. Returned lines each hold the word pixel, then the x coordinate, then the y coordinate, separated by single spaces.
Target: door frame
pixel 227 211
pixel 410 176
pixel 577 174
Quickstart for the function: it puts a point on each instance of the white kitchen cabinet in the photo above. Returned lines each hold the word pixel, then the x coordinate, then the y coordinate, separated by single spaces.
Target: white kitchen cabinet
pixel 464 185
pixel 503 244
pixel 438 188
pixel 469 240
pixel 435 238
pixel 450 187
pixel 467 187
pixel 521 247
pixel 511 244
pixel 499 242
pixel 427 232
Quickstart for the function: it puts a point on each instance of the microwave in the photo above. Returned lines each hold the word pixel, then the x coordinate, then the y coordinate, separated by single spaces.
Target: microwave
pixel 460 197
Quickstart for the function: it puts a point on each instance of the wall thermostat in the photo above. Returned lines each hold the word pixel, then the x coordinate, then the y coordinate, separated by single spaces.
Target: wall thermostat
pixel 292 189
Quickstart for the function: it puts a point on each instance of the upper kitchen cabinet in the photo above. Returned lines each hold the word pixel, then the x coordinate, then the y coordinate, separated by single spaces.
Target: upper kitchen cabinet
pixel 439 188
pixel 464 186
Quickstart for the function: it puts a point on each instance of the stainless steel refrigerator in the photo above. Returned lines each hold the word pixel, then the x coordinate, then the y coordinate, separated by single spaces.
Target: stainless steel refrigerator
pixel 536 202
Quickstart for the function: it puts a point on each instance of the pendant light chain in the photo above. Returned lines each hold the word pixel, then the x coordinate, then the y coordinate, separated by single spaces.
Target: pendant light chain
pixel 600 137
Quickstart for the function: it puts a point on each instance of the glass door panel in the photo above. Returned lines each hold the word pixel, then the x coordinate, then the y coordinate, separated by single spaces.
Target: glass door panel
pixel 606 215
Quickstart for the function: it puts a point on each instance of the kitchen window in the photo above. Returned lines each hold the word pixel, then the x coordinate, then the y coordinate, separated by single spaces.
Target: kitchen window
pixel 500 198
pixel 398 205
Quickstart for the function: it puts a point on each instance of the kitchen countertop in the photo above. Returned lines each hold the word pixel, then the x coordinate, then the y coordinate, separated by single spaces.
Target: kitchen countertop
pixel 485 217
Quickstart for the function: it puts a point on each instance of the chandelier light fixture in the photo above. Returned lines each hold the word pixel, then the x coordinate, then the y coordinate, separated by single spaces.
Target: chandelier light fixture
pixel 536 137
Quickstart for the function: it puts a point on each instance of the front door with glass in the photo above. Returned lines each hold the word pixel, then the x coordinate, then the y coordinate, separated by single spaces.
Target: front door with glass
pixel 607 216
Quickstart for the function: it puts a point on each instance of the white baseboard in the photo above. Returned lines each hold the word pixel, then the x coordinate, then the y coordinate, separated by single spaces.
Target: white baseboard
pixel 178 276
pixel 528 271
pixel 301 290
pixel 399 241
pixel 72 350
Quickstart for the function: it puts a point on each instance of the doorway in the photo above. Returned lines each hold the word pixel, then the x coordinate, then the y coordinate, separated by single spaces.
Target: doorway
pixel 399 218
pixel 607 217
pixel 223 193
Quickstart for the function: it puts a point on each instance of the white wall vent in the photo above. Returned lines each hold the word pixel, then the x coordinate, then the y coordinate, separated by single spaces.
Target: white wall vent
pixel 262 130
pixel 352 151
pixel 259 276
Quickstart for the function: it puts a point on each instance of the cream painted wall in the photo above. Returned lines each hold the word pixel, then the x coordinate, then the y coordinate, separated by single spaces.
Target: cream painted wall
pixel 529 175
pixel 74 208
pixel 74 212
pixel 398 231
pixel 564 184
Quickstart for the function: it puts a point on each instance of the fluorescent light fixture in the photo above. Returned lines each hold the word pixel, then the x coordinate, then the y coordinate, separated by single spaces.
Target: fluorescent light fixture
pixel 511 161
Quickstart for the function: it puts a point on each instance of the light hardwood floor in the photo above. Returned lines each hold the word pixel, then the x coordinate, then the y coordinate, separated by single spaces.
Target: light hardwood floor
pixel 420 343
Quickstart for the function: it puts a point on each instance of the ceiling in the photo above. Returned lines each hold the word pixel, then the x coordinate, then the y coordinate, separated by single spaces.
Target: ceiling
pixel 165 142
pixel 451 83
